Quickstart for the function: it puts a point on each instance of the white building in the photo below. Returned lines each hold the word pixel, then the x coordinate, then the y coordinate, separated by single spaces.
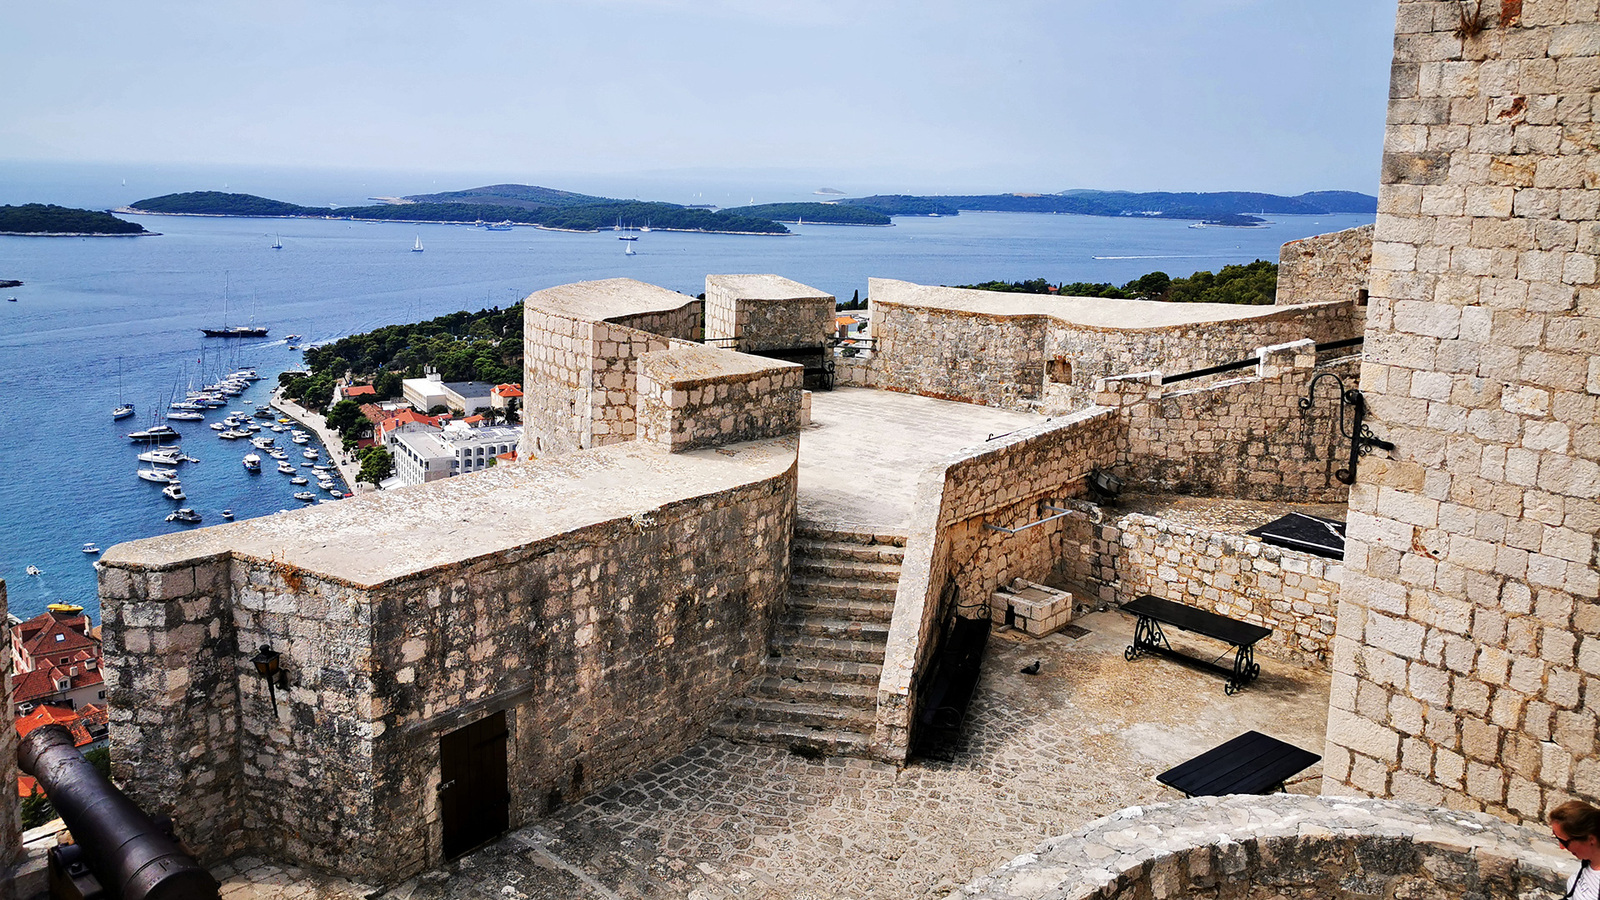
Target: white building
pixel 429 454
pixel 424 393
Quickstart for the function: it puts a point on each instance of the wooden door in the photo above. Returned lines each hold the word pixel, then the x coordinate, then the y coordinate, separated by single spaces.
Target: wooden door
pixel 475 804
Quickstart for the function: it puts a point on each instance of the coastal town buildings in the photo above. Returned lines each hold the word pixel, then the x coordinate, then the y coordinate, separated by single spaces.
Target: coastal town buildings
pixel 57 660
pixel 423 453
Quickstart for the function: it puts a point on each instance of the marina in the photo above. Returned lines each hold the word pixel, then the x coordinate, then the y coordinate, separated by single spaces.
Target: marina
pixel 92 307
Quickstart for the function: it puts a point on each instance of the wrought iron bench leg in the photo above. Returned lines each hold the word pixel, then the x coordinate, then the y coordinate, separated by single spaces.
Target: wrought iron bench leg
pixel 1147 636
pixel 1245 669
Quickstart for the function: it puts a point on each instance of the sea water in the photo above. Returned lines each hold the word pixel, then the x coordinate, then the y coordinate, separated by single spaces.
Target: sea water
pixel 100 320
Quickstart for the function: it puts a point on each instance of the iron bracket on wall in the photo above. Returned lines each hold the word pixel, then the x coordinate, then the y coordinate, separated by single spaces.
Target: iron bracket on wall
pixel 1362 440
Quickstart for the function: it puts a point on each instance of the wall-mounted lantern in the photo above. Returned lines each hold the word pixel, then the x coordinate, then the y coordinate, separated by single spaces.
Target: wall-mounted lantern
pixel 1362 440
pixel 269 665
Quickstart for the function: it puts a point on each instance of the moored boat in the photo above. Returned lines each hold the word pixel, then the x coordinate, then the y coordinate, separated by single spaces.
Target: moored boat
pixel 90 548
pixel 184 515
pixel 174 491
pixel 155 433
pixel 159 476
pixel 252 463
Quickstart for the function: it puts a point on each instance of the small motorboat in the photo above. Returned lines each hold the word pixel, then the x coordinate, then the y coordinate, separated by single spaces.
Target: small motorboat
pixel 218 426
pixel 185 415
pixel 184 515
pixel 305 496
pixel 159 476
pixel 233 434
pixel 90 548
pixel 262 442
pixel 174 491
pixel 300 437
pixel 252 463
pixel 286 469
pixel 165 456
pixel 227 514
pixel 35 570
pixel 299 479
pixel 336 494
pixel 155 433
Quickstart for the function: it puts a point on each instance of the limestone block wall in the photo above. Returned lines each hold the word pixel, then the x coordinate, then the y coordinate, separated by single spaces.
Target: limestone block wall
pixel 1245 438
pixel 686 323
pixel 1237 576
pixel 767 312
pixel 1050 361
pixel 960 355
pixel 1326 267
pixel 579 387
pixel 1467 662
pixel 1096 353
pixel 702 397
pixel 856 371
pixel 413 627
pixel 11 850
pixel 1283 846
pixel 953 563
pixel 175 669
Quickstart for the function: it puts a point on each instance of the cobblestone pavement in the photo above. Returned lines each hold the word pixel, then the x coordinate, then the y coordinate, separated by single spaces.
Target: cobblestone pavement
pixel 1040 756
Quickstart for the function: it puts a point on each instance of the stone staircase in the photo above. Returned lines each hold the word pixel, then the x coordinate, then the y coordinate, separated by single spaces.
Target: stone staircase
pixel 818 693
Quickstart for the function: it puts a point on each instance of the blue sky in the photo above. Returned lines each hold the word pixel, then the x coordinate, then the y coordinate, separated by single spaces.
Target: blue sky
pixel 932 97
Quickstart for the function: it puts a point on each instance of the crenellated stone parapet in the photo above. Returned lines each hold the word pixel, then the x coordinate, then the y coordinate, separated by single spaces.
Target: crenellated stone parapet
pixel 751 313
pixel 692 397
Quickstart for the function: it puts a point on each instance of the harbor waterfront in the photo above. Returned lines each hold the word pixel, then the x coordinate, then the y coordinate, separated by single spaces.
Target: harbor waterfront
pixel 91 308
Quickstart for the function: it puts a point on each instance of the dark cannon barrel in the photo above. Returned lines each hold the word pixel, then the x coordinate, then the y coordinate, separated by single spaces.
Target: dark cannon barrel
pixel 131 855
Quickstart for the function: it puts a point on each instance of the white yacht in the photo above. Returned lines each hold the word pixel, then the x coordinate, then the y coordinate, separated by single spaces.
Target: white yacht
pixel 174 491
pixel 159 476
pixel 185 515
pixel 252 463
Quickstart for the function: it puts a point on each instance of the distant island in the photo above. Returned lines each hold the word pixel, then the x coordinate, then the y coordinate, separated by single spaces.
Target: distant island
pixel 1153 205
pixel 48 219
pixel 551 208
pixel 522 204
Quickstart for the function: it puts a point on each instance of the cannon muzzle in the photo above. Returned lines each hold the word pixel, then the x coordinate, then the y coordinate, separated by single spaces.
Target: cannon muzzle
pixel 132 857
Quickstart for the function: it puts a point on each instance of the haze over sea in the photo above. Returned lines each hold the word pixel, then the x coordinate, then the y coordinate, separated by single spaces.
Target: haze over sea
pixel 90 305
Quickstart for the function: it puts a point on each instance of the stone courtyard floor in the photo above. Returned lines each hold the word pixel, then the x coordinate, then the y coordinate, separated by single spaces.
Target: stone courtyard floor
pixel 1041 755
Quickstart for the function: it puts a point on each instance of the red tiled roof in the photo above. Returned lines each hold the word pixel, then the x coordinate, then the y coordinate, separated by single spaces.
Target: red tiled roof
pixel 507 390
pixel 472 420
pixel 38 634
pixel 55 715
pixel 359 390
pixel 41 682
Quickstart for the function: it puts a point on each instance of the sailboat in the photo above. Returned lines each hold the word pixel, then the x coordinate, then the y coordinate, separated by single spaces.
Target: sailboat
pixel 124 409
pixel 277 242
pixel 251 330
pixel 627 250
pixel 418 247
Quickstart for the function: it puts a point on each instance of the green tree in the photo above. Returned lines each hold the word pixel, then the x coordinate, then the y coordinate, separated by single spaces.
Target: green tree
pixel 344 414
pixel 388 385
pixel 376 465
pixel 36 809
pixel 1150 286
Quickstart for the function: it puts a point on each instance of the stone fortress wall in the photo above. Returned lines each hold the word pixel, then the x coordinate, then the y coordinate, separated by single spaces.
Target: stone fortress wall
pixel 956 558
pixel 1282 846
pixel 582 345
pixel 1045 353
pixel 541 614
pixel 1467 661
pixel 1327 268
pixel 751 313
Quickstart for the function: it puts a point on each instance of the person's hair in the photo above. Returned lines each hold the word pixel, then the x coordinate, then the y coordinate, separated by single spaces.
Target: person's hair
pixel 1578 819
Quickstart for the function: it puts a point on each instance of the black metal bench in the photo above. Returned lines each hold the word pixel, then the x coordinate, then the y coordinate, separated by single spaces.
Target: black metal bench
pixel 817 359
pixel 1154 612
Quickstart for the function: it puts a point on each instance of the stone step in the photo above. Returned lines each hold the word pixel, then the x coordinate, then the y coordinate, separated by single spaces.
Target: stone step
pixel 796 690
pixel 812 647
pixel 840 588
pixel 817 548
pixel 874 572
pixel 799 739
pixel 842 533
pixel 840 608
pixel 826 670
pixel 837 629
pixel 828 716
